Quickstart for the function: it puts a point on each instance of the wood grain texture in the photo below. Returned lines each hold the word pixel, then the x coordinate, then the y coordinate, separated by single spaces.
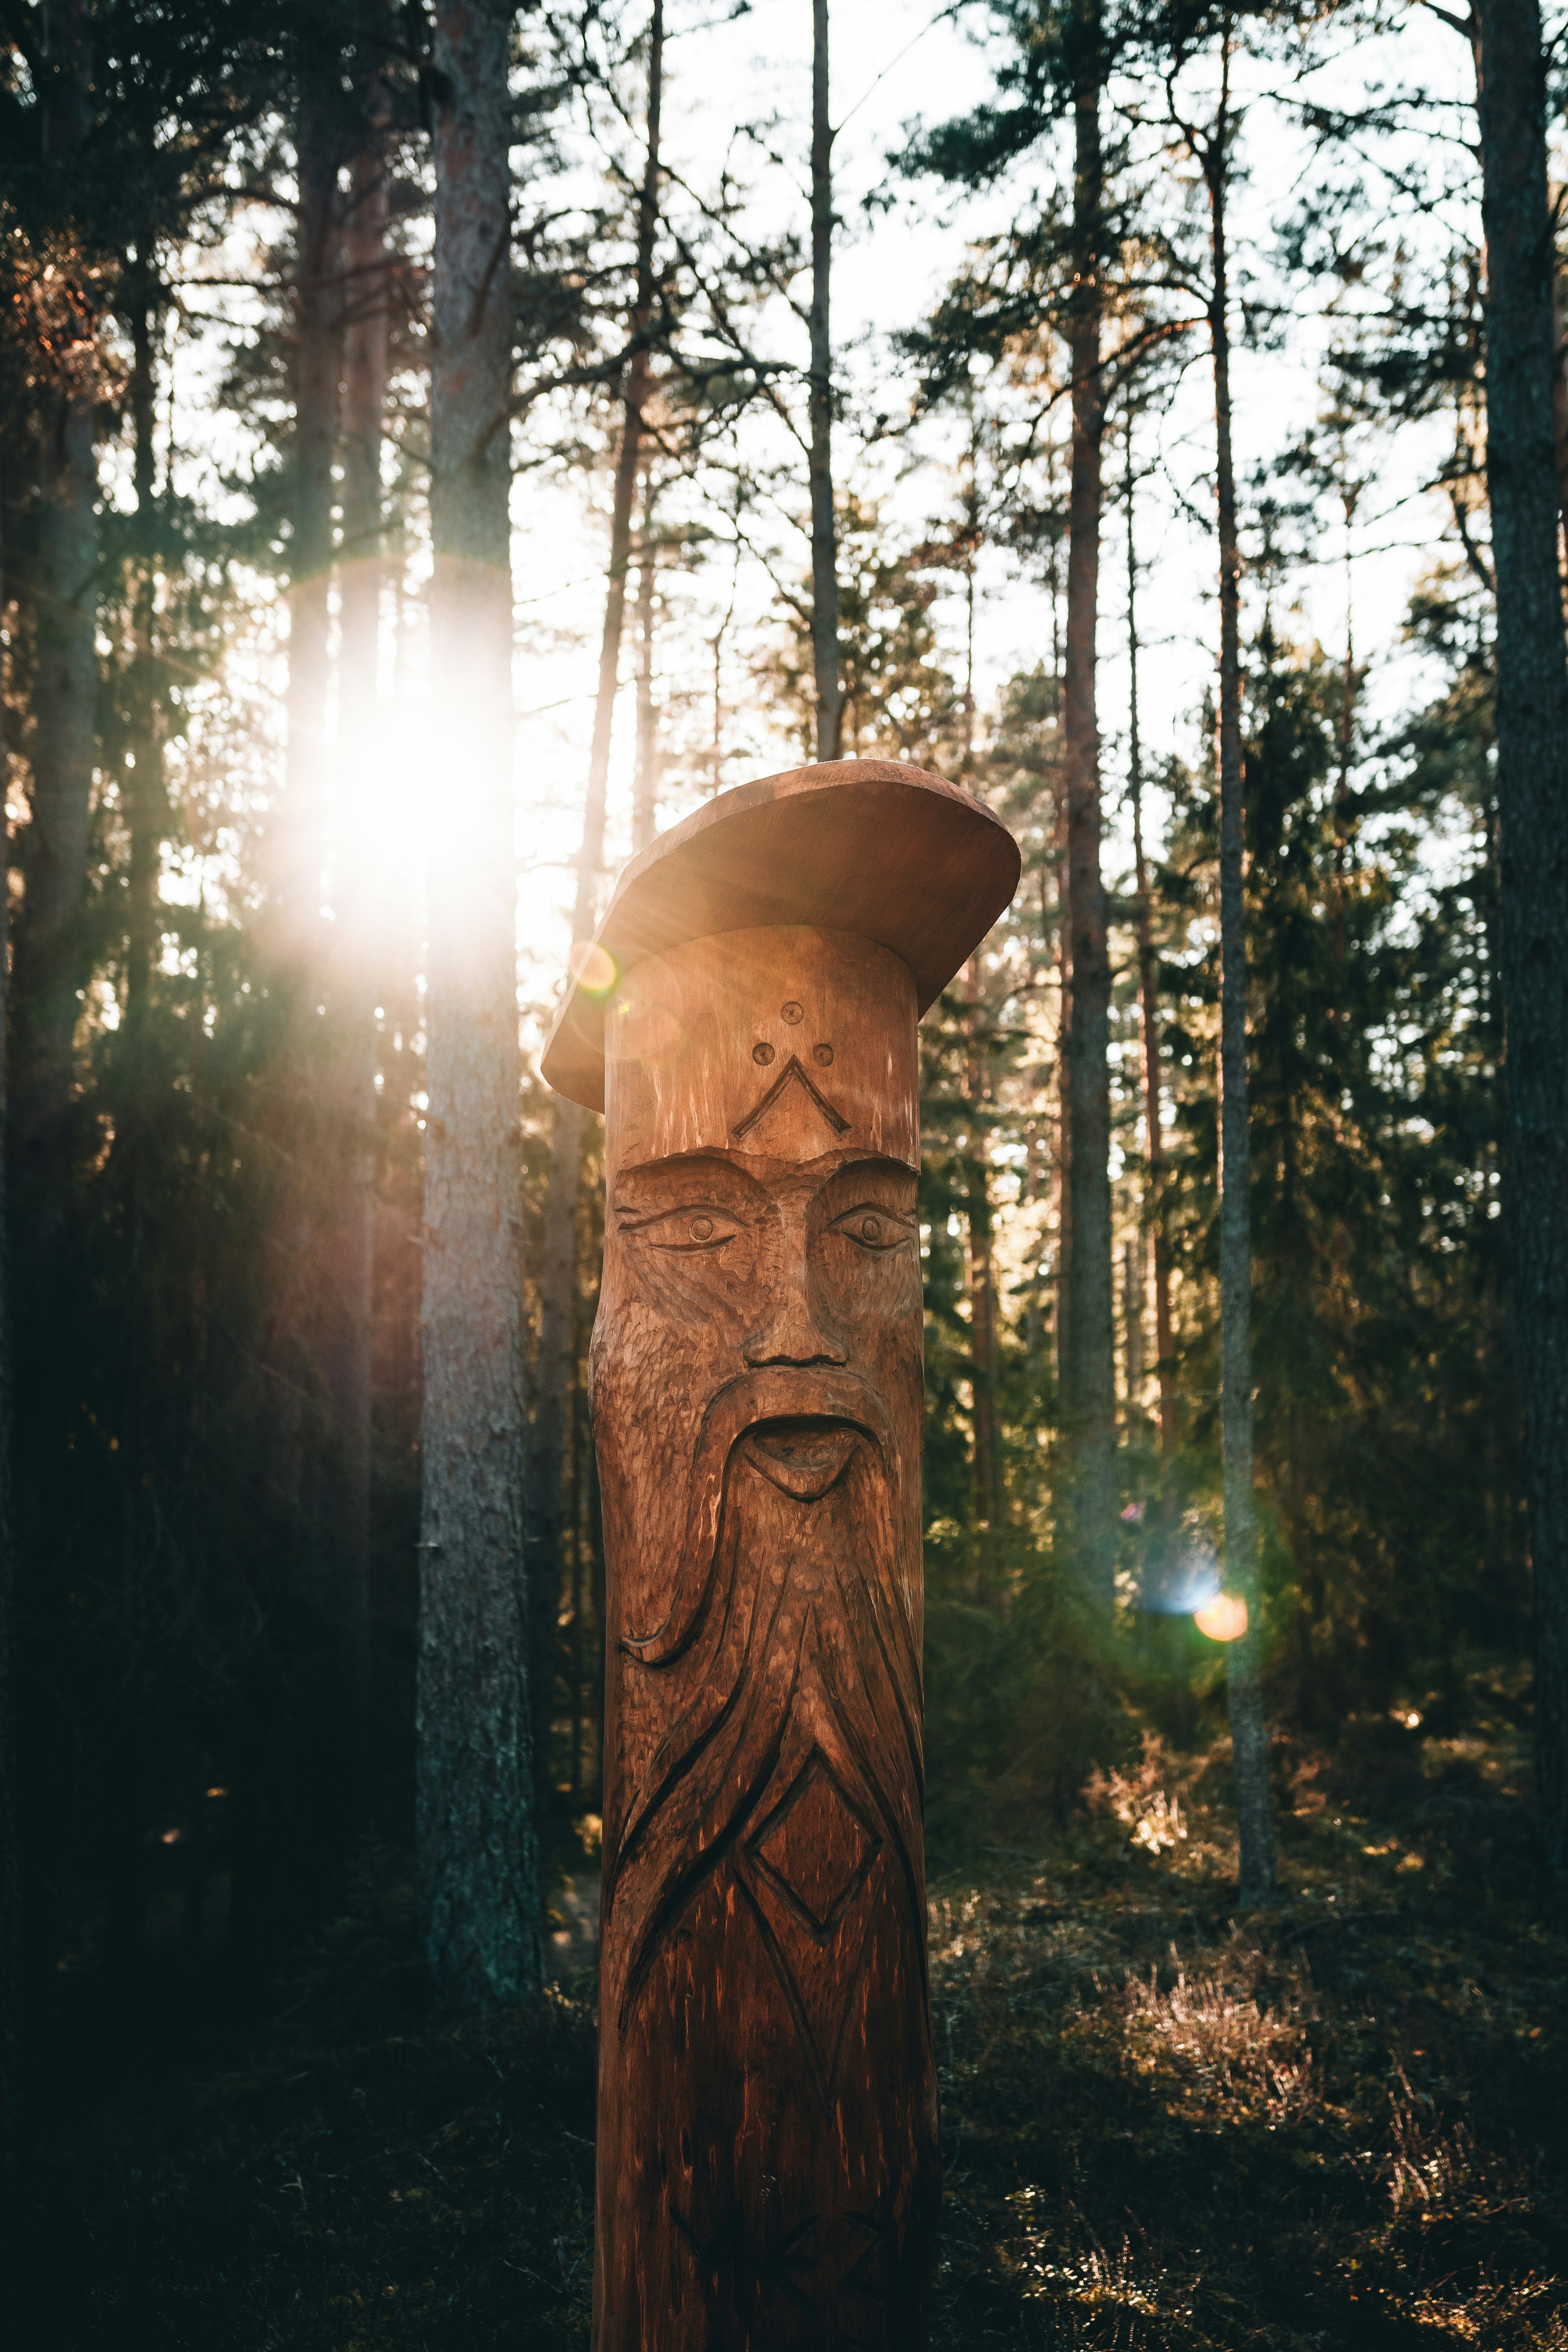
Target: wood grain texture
pixel 891 853
pixel 768 2172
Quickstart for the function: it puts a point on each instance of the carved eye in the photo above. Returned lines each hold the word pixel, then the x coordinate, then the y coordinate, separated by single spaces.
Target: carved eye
pixel 870 1228
pixel 691 1231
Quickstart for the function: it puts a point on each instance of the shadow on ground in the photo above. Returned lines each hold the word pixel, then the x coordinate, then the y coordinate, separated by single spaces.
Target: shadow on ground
pixel 1341 2124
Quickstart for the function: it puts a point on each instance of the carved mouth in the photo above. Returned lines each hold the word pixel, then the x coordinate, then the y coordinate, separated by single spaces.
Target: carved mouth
pixel 803 1458
pixel 771 1398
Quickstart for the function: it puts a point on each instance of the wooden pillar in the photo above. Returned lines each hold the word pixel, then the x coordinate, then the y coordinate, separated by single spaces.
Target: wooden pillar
pixel 767 2144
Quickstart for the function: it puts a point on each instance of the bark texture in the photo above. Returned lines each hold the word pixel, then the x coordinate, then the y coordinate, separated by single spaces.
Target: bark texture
pixel 644 787
pixel 1148 1006
pixel 1088 1401
pixel 558 1263
pixel 1248 1725
pixel 477 1846
pixel 824 525
pixel 297 847
pixel 1532 794
pixel 318 364
pixel 348 1251
pixel 985 1344
pixel 65 703
pixel 985 1362
pixel 12 2036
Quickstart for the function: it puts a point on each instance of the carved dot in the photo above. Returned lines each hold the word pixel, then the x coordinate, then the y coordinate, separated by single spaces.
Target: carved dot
pixel 703 1229
pixel 763 1054
pixel 822 1053
pixel 871 1229
pixel 794 1011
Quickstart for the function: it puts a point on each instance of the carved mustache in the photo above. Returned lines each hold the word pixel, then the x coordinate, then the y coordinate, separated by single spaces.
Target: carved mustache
pixel 777 1392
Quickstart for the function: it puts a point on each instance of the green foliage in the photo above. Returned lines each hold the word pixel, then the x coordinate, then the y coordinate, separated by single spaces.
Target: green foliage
pixel 1375 1121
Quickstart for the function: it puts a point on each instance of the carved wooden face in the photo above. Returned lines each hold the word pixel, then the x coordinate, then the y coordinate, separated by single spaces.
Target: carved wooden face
pixel 767 2094
pixel 762 1258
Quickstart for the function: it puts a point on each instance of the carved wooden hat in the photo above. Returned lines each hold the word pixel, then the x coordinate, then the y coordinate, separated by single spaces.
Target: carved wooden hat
pixel 889 853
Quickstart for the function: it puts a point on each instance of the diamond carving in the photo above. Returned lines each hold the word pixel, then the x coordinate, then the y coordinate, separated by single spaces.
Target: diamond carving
pixel 815 1849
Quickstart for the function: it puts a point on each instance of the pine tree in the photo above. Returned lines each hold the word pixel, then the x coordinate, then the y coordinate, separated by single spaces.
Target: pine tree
pixel 477 1842
pixel 65 692
pixel 823 521
pixel 558 1265
pixel 1532 795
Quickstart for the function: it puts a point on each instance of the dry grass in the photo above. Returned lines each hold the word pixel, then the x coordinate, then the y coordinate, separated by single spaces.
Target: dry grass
pixel 1343 2124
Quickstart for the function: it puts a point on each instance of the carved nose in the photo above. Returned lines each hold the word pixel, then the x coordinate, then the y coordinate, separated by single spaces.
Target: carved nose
pixel 791 1336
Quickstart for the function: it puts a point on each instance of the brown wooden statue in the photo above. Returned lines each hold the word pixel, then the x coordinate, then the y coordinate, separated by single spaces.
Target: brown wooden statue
pixel 767 2157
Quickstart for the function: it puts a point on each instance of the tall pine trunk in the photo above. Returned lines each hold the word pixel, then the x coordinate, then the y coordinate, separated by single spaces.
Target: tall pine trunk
pixel 1533 794
pixel 985 1344
pixel 559 1265
pixel 1249 1726
pixel 317 361
pixel 1089 1404
pixel 297 847
pixel 345 1356
pixel 824 526
pixel 477 1850
pixel 12 1979
pixel 644 786
pixel 1559 399
pixel 1148 1006
pixel 39 994
pixel 65 705
pixel 145 792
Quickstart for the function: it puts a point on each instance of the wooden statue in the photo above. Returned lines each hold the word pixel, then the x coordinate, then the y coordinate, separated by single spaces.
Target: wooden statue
pixel 768 2173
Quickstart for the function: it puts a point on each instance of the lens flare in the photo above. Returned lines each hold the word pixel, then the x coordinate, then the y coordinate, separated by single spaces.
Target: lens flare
pixel 1222 1619
pixel 1179 1574
pixel 594 967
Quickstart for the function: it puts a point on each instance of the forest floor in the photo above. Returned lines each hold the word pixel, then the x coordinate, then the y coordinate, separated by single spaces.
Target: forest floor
pixel 1343 2123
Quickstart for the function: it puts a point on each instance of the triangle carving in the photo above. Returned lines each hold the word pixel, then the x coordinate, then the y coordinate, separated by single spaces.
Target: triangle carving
pixel 792 1075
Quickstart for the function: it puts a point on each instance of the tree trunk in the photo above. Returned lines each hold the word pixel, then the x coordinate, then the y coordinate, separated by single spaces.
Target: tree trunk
pixel 1088 1403
pixel 318 362
pixel 990 1506
pixel 1134 1284
pixel 145 802
pixel 478 1851
pixel 348 1264
pixel 1061 1187
pixel 985 1350
pixel 559 1262
pixel 1532 792
pixel 13 2038
pixel 297 847
pixel 1559 399
pixel 65 709
pixel 1249 1726
pixel 645 788
pixel 823 528
pixel 1149 1002
pixel 38 992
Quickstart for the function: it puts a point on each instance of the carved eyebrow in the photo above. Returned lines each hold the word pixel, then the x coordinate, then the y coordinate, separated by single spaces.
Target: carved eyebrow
pixel 631 1220
pixel 854 1172
pixel 697 1180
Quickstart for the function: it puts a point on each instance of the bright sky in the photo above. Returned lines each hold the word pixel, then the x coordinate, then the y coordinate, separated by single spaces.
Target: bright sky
pixel 892 64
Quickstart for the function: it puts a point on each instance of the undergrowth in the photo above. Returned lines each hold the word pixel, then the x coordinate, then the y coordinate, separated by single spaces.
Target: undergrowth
pixel 1340 2123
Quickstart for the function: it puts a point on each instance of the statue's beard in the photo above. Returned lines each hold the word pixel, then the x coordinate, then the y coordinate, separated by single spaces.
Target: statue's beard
pixel 792 1616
